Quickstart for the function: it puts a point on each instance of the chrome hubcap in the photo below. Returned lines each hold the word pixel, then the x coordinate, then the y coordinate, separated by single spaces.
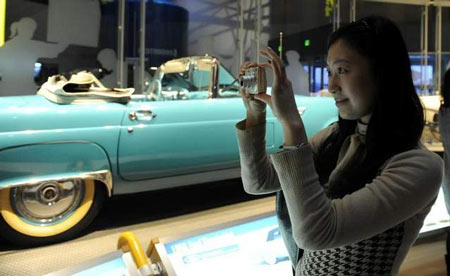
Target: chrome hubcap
pixel 49 202
pixel 49 194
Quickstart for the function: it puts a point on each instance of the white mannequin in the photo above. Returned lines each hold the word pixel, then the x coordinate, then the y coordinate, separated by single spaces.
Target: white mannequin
pixel 296 73
pixel 18 56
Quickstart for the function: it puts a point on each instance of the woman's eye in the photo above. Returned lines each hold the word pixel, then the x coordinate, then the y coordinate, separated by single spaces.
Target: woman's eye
pixel 341 71
pixel 328 72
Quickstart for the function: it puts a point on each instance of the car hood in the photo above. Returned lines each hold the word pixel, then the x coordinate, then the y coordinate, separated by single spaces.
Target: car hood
pixel 25 113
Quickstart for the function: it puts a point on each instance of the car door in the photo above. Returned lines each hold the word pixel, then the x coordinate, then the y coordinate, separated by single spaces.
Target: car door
pixel 176 137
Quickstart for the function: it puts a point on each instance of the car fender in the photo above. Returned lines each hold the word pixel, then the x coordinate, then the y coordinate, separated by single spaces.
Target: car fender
pixel 35 163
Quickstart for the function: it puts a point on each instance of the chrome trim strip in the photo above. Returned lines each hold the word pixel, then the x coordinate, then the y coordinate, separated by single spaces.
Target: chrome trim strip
pixel 103 176
pixel 137 186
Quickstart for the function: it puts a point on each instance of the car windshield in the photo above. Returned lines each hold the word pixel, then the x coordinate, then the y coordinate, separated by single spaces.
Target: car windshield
pixel 198 80
pixel 175 81
pixel 226 80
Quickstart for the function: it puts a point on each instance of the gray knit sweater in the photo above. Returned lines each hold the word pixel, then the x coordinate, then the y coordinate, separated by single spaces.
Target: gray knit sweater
pixel 368 232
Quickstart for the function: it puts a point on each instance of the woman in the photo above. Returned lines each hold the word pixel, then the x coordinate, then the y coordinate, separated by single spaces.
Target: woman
pixel 352 199
pixel 444 129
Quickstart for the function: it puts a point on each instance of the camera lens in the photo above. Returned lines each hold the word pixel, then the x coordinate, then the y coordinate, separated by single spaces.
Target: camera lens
pixel 249 81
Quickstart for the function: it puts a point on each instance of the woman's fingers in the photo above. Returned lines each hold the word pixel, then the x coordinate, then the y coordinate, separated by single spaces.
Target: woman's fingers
pixel 275 68
pixel 265 65
pixel 264 98
pixel 247 65
pixel 279 61
pixel 276 63
pixel 281 100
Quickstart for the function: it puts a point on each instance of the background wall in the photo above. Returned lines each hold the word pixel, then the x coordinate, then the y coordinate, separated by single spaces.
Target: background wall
pixel 65 35
pixel 213 29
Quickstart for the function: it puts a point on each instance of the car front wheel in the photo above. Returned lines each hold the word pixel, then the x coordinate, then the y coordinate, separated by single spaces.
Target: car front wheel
pixel 50 212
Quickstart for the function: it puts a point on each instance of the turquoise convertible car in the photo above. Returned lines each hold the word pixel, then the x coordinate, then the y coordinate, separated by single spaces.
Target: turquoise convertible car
pixel 62 154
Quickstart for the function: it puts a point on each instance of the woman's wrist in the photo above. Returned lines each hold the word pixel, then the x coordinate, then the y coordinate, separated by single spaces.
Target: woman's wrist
pixel 255 119
pixel 294 133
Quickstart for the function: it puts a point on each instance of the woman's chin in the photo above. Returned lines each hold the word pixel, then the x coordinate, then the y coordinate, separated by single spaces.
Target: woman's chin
pixel 347 116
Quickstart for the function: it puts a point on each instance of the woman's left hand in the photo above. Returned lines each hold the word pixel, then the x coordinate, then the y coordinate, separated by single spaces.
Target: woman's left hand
pixel 281 100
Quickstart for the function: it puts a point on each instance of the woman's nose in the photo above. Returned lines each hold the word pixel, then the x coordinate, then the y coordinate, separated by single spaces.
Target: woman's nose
pixel 333 84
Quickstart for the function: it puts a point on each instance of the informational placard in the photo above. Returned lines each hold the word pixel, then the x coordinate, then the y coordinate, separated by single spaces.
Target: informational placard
pixel 438 217
pixel 252 248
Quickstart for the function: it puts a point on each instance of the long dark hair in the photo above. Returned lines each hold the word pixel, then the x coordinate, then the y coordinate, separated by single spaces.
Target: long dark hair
pixel 446 88
pixel 397 120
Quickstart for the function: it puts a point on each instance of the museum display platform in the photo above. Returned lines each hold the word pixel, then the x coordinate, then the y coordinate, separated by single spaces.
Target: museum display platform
pixel 239 239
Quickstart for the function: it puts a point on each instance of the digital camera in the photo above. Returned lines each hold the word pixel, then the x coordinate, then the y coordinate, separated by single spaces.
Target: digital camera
pixel 254 80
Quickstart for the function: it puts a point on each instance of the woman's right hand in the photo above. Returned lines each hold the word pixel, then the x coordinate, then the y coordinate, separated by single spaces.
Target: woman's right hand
pixel 256 109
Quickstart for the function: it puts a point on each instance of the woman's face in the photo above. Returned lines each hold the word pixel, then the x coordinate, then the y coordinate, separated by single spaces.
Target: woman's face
pixel 351 82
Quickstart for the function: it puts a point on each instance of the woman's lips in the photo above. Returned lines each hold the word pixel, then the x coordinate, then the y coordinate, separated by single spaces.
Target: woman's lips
pixel 340 101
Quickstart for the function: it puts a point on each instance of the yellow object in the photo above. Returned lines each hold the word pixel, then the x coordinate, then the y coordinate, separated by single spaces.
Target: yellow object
pixel 29 229
pixel 2 21
pixel 128 242
pixel 329 7
pixel 151 246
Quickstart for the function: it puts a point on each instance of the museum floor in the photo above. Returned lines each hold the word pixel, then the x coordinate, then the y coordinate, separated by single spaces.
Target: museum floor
pixel 426 257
